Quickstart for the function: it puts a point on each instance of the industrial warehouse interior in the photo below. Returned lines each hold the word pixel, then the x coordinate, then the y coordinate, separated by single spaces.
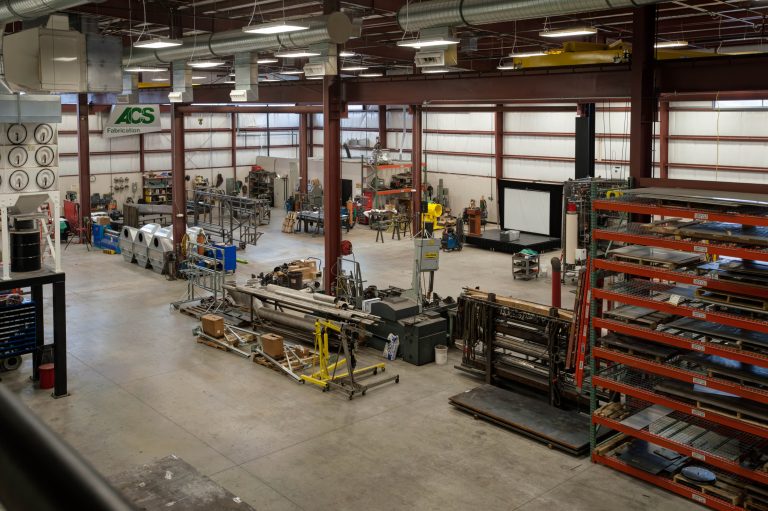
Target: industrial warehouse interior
pixel 384 254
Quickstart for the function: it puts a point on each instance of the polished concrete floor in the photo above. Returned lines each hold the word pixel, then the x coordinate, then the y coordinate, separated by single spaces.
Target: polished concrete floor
pixel 142 388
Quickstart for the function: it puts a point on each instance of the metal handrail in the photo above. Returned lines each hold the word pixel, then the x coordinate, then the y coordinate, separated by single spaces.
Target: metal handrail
pixel 39 471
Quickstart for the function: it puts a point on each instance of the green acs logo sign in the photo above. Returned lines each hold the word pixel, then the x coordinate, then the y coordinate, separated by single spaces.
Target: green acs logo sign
pixel 136 115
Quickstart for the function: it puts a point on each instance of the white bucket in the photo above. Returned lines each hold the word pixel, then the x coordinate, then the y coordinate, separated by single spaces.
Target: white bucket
pixel 441 354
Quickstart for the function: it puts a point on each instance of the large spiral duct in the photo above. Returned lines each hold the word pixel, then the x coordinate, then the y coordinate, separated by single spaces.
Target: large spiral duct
pixel 20 10
pixel 336 28
pixel 454 13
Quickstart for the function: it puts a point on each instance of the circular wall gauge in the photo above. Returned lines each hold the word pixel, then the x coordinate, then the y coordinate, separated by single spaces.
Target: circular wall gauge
pixel 45 178
pixel 43 156
pixel 43 133
pixel 19 180
pixel 17 133
pixel 18 156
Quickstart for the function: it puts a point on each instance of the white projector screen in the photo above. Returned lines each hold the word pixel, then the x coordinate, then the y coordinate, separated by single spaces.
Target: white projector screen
pixel 526 210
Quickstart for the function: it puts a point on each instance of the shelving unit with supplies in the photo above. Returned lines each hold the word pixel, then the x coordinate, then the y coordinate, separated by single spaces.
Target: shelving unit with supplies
pixel 158 187
pixel 679 339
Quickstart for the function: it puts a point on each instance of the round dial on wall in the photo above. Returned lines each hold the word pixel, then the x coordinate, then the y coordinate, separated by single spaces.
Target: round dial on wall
pixel 45 178
pixel 17 133
pixel 44 156
pixel 18 156
pixel 19 180
pixel 43 134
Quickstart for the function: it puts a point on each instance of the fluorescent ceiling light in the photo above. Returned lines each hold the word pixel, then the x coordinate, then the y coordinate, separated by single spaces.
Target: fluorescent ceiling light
pixel 289 54
pixel 505 66
pixel 145 69
pixel 526 54
pixel 65 59
pixel 568 32
pixel 267 60
pixel 276 27
pixel 431 70
pixel 354 68
pixel 315 77
pixel 427 42
pixel 671 44
pixel 161 79
pixel 156 42
pixel 203 64
pixel 370 75
pixel 199 77
pixel 346 53
pixel 228 81
pixel 292 72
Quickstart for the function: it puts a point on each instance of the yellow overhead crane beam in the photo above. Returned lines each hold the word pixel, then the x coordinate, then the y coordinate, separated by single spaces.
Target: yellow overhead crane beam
pixel 576 53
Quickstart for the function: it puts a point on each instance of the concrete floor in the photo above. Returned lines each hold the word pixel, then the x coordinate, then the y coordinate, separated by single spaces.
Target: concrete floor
pixel 142 388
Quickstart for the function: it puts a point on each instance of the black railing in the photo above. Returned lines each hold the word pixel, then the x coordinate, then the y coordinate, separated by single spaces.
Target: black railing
pixel 40 472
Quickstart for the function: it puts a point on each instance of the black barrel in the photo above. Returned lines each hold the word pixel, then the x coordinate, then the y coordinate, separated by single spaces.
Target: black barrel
pixel 25 247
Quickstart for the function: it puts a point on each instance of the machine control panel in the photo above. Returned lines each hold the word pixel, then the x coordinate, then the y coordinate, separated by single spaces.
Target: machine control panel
pixel 29 157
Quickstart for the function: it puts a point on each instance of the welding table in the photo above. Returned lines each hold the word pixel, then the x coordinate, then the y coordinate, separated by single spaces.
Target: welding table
pixel 316 218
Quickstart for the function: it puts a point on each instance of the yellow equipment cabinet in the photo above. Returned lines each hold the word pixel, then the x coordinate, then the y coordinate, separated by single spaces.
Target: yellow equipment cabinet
pixel 326 376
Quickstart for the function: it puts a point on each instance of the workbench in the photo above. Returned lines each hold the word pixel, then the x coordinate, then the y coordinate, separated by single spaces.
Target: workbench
pixel 316 219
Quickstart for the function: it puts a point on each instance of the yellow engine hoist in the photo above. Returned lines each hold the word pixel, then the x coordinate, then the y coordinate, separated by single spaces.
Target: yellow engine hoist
pixel 326 376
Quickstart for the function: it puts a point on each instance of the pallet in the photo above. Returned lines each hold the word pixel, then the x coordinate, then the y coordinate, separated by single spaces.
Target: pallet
pixel 718 489
pixel 289 222
pixel 732 300
pixel 615 411
pixel 654 257
pixel 212 344
pixel 611 444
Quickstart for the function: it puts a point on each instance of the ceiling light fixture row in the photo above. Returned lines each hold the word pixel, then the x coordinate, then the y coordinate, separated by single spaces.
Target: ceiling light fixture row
pixel 276 27
pixel 671 44
pixel 569 32
pixel 205 63
pixel 296 53
pixel 155 43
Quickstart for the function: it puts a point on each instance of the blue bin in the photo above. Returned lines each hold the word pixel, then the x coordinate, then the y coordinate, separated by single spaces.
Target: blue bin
pixel 228 256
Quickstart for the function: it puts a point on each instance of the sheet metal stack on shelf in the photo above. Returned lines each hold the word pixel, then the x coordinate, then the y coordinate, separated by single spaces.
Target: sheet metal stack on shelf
pixel 680 339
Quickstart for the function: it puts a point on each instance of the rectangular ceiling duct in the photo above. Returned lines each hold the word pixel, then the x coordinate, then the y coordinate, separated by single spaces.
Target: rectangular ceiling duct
pixel 246 78
pixel 182 82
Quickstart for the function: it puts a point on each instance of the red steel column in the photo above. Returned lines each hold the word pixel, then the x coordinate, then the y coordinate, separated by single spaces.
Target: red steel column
pixel 311 134
pixel 383 126
pixel 84 156
pixel 498 137
pixel 332 109
pixel 643 100
pixel 142 162
pixel 664 139
pixel 303 148
pixel 179 204
pixel 233 144
pixel 416 167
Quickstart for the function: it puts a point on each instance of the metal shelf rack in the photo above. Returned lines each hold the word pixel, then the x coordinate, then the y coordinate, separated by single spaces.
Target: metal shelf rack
pixel 715 403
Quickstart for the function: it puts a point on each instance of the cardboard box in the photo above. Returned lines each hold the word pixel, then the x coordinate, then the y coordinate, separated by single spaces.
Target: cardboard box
pixel 213 325
pixel 103 220
pixel 272 344
pixel 308 268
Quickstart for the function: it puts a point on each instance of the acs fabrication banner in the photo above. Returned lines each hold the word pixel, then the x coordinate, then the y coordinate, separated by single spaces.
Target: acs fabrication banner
pixel 127 120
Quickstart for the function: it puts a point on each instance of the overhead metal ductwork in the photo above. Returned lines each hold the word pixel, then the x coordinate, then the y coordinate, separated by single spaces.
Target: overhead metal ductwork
pixel 455 13
pixel 336 28
pixel 21 10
